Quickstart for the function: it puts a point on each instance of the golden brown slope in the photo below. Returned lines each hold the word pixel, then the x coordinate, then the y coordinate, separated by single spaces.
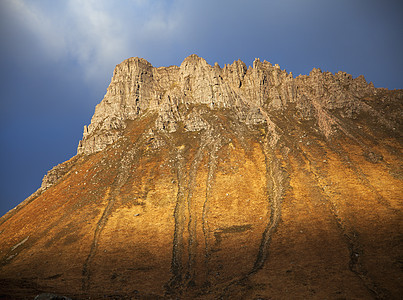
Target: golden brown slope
pixel 295 204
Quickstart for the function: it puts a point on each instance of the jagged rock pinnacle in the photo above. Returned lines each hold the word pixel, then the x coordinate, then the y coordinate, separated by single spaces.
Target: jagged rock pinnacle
pixel 138 88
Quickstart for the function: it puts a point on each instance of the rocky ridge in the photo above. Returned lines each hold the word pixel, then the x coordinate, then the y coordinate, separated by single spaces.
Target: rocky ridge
pixel 180 95
pixel 137 88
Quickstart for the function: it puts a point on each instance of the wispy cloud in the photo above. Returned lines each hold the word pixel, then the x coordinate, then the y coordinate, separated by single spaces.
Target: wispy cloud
pixel 96 34
pixel 95 37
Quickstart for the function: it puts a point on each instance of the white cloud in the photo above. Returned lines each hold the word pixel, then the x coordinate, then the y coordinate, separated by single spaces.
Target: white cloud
pixel 99 33
pixel 96 38
pixel 96 34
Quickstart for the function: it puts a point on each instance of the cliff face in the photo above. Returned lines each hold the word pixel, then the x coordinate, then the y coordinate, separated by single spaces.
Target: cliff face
pixel 205 182
pixel 137 89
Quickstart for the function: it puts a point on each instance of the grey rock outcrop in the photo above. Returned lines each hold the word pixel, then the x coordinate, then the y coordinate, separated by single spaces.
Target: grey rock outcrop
pixel 178 94
pixel 56 173
pixel 49 296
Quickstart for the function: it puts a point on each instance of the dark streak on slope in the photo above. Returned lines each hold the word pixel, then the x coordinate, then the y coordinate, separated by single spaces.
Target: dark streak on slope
pixel 212 164
pixel 193 216
pixel 179 214
pixel 274 179
pixel 120 180
pixel 350 236
pixel 274 183
pixel 274 190
pixel 344 156
pixel 94 246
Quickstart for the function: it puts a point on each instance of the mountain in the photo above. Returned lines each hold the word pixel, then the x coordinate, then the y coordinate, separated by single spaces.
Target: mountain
pixel 202 182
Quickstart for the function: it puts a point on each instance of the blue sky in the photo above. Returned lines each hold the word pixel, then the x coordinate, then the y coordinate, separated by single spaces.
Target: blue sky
pixel 57 58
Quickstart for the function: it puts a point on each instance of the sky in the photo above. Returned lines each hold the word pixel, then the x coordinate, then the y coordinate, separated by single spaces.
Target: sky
pixel 57 59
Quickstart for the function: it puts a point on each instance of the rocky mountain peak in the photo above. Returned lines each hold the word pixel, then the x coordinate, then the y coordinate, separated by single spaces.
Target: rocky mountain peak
pixel 137 88
pixel 202 182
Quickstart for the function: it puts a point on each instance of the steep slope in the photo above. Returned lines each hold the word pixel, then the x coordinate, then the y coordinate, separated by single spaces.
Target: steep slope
pixel 205 182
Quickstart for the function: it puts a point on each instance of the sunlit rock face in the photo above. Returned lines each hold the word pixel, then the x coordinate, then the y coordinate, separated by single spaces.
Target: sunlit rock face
pixel 202 182
pixel 171 93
